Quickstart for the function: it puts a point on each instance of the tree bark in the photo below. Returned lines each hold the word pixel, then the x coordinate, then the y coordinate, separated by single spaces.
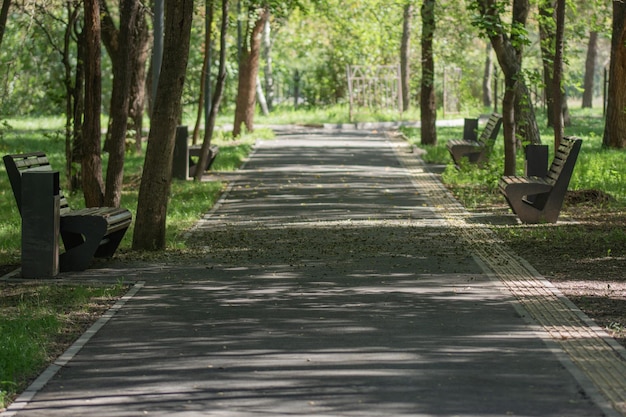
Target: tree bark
pixel 428 104
pixel 138 58
pixel 487 76
pixel 405 50
pixel 548 32
pixel 139 74
pixel 269 69
pixel 615 125
pixel 508 127
pixel 509 53
pixel 4 15
pixel 91 161
pixel 590 69
pixel 218 95
pixel 248 71
pixel 205 72
pixel 154 191
pixel 558 73
pixel 120 100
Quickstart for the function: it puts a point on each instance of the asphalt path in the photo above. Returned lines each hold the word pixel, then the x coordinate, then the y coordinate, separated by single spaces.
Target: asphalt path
pixel 324 283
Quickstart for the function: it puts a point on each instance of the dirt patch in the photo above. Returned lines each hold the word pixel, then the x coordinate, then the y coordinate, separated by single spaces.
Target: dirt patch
pixel 583 255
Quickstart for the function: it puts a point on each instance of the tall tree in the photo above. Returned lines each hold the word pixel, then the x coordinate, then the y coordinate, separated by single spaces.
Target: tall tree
pixel 548 31
pixel 405 51
pixel 249 69
pixel 590 69
pixel 141 37
pixel 428 104
pixel 517 111
pixel 487 75
pixel 557 73
pixel 120 100
pixel 217 96
pixel 150 223
pixel 4 15
pixel 615 125
pixel 91 160
pixel 205 73
pixel 268 69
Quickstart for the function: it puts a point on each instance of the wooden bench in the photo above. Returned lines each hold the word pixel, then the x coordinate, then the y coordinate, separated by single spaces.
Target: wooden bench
pixel 478 151
pixel 86 233
pixel 194 156
pixel 539 199
pixel 185 159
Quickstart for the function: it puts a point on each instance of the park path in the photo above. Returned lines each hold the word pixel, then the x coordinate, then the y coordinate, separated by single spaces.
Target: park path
pixel 335 277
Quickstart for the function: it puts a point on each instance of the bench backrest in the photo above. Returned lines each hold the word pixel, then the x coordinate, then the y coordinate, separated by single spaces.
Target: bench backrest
pixel 490 133
pixel 17 164
pixel 560 173
pixel 564 159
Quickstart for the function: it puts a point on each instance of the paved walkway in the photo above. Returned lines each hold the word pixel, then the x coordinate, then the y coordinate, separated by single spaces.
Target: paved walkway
pixel 335 278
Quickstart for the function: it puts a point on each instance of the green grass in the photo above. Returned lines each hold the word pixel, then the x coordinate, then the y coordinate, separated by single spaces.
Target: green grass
pixel 189 200
pixel 37 321
pixel 596 168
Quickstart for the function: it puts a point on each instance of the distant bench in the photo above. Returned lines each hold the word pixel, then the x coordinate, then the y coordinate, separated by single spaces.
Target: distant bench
pixel 539 199
pixel 86 233
pixel 194 158
pixel 186 158
pixel 476 151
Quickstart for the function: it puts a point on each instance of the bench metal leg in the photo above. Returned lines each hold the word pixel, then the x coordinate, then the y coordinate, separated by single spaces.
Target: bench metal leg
pixel 81 238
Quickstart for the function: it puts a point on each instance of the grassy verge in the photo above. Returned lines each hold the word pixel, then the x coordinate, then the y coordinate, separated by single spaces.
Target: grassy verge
pixel 39 320
pixel 596 168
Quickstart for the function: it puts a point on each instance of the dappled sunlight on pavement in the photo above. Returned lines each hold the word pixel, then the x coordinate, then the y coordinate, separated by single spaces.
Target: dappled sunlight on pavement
pixel 329 280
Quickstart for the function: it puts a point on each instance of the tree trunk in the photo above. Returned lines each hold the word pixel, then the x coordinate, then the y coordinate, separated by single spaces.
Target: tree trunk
pixel 261 96
pixel 120 100
pixel 154 191
pixel 138 58
pixel 547 37
pixel 590 69
pixel 205 72
pixel 73 91
pixel 268 71
pixel 508 127
pixel 138 80
pixel 248 70
pixel 428 104
pixel 526 125
pixel 615 125
pixel 78 112
pixel 4 15
pixel 487 76
pixel 405 50
pixel 509 53
pixel 217 97
pixel 558 73
pixel 548 30
pixel 91 161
